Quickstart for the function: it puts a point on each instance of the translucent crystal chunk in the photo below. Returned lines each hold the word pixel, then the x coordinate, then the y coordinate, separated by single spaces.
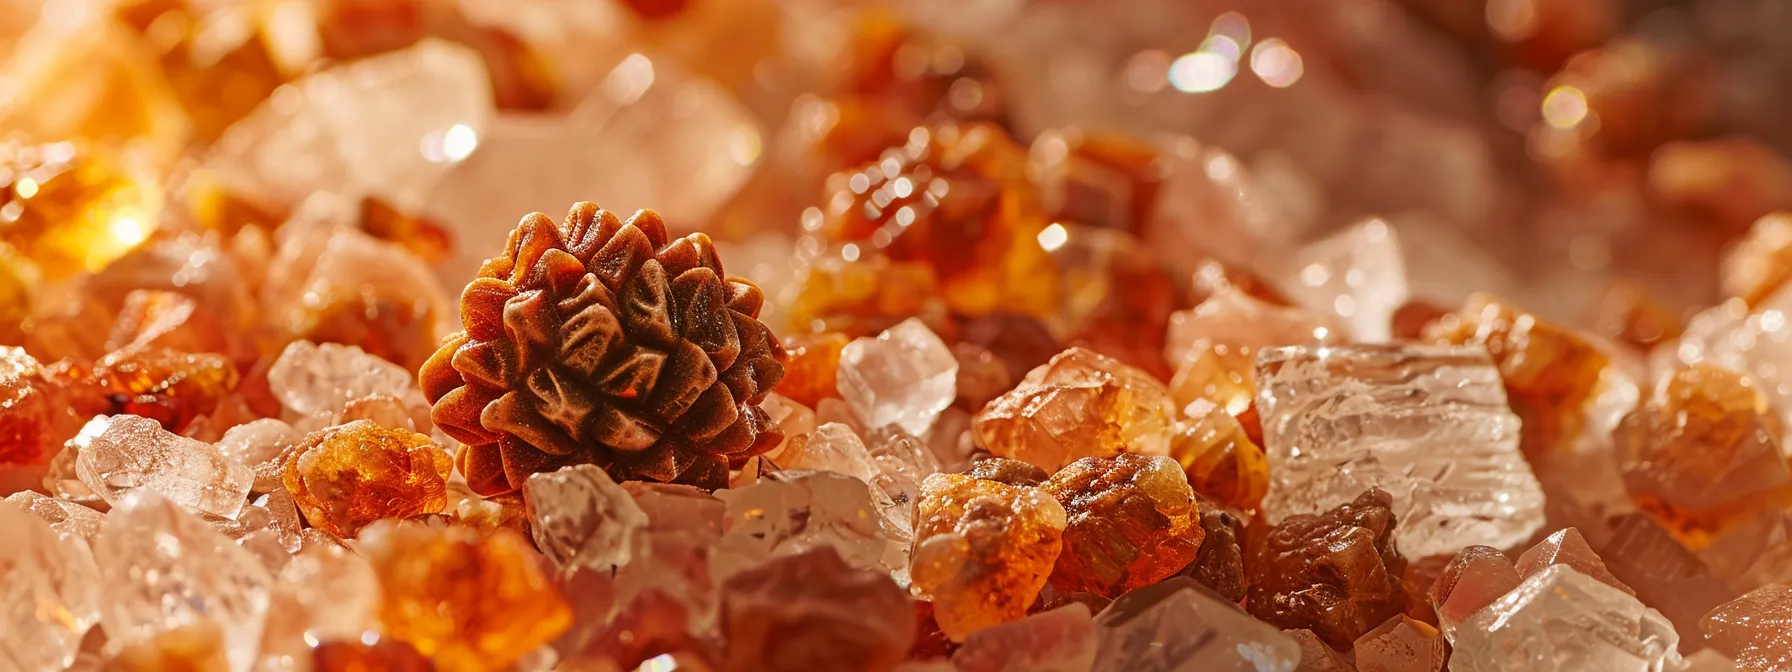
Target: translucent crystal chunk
pixel 1178 626
pixel 1561 619
pixel 49 593
pixel 579 516
pixel 1357 275
pixel 125 453
pixel 317 378
pixel 904 377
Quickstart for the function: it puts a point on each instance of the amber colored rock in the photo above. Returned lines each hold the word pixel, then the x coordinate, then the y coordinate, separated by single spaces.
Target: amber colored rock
pixel 345 477
pixel 1702 454
pixel 1219 564
pixel 20 283
pixel 170 387
pixel 1336 573
pixel 1401 645
pixel 1095 178
pixel 1080 404
pixel 420 235
pixel 1118 294
pixel 1219 458
pixel 918 72
pixel 1550 372
pixel 811 611
pixel 195 647
pixel 78 207
pixel 1567 547
pixel 1214 347
pixel 1022 341
pixel 1409 320
pixel 219 72
pixel 1628 314
pixel 600 341
pixel 956 198
pixel 810 371
pixel 153 318
pixel 1755 630
pixel 465 601
pixel 1730 180
pixel 982 376
pixel 490 513
pixel 1006 471
pixel 1476 577
pixel 1132 522
pixel 383 655
pixel 34 415
pixel 1639 93
pixel 1665 575
pixel 651 625
pixel 1761 261
pixel 983 549
pixel 862 294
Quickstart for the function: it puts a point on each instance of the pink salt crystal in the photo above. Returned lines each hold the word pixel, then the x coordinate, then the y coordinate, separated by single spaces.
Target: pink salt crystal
pixel 1755 630
pixel 48 593
pixel 812 611
pixel 313 378
pixel 579 516
pixel 1663 573
pixel 1060 640
pixel 1476 577
pixel 1709 660
pixel 1315 655
pixel 1401 645
pixel 680 507
pixel 1567 547
pixel 63 516
pixel 126 453
pixel 257 442
pixel 324 593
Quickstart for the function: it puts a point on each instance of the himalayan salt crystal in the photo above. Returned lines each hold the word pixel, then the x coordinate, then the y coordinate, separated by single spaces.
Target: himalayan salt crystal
pixel 126 453
pixel 1079 404
pixel 1178 625
pixel 983 549
pixel 1357 275
pixel 1316 655
pixel 1401 645
pixel 313 378
pixel 150 548
pixel 1731 335
pixel 1755 630
pixel 384 410
pixel 487 514
pixel 1761 262
pixel 1703 455
pixel 1214 347
pixel 197 646
pixel 1336 573
pixel 678 554
pixel 894 481
pixel 1550 372
pixel 1476 577
pixel 795 511
pixel 325 593
pixel 48 591
pixel 259 444
pixel 1060 640
pixel 33 417
pixel 812 366
pixel 172 388
pixel 65 517
pixel 862 296
pixel 1132 522
pixel 1665 575
pixel 813 611
pixel 467 602
pixel 1220 460
pixel 348 476
pixel 791 418
pixel 1561 619
pixel 1567 547
pixel 1219 564
pixel 650 625
pixel 1428 425
pixel 581 517
pixel 905 376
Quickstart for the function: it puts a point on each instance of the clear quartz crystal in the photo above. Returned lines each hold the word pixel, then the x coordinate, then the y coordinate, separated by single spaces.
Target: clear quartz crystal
pixel 893 473
pixel 1429 425
pixel 49 592
pixel 65 517
pixel 162 568
pixel 1180 626
pixel 1758 343
pixel 904 376
pixel 323 378
pixel 1059 640
pixel 579 516
pixel 797 510
pixel 1357 275
pixel 125 453
pixel 257 442
pixel 1561 619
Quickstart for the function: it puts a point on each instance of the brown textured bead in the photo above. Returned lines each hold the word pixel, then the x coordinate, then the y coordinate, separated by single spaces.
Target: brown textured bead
pixel 812 611
pixel 1132 520
pixel 956 198
pixel 345 477
pixel 173 388
pixel 1219 564
pixel 1336 573
pixel 599 341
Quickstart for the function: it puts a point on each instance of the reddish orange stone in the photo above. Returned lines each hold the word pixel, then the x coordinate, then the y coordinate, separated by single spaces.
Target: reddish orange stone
pixel 983 549
pixel 415 233
pixel 384 655
pixel 34 414
pixel 1219 458
pixel 217 81
pixel 345 477
pixel 864 296
pixel 1132 522
pixel 170 387
pixel 196 647
pixel 810 370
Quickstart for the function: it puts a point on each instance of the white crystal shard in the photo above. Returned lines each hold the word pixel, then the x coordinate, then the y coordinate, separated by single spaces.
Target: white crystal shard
pixel 894 470
pixel 1561 619
pixel 1180 626
pixel 65 517
pixel 1758 343
pixel 124 453
pixel 323 378
pixel 797 510
pixel 257 442
pixel 162 568
pixel 1429 425
pixel 49 593
pixel 1357 275
pixel 904 376
pixel 579 516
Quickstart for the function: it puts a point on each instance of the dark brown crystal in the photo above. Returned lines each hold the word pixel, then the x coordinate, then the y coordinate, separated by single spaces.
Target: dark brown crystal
pixel 1336 573
pixel 600 341
pixel 1219 564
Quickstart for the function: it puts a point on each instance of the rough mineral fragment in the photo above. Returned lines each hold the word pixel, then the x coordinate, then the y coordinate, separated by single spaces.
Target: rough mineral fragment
pixel 1214 346
pixel 1428 425
pixel 982 376
pixel 465 601
pixel 811 611
pixel 1132 522
pixel 1316 655
pixel 49 592
pixel 125 453
pixel 579 516
pixel 1665 575
pixel 1335 573
pixel 813 366
pixel 1219 564
pixel 603 342
pixel 197 646
pixel 1703 454
pixel 258 442
pixel 1401 645
pixel 353 655
pixel 323 378
pixel 794 511
pixel 677 556
pixel 1178 626
pixel 1761 262
pixel 863 296
pixel 1118 294
pixel 1011 472
pixel 983 549
pixel 172 388
pixel 348 476
pixel 1561 619
pixel 904 377
pixel 1755 630
pixel 65 517
pixel 1476 577
pixel 1357 275
pixel 325 593
pixel 1567 547
pixel 1219 458
pixel 150 548
pixel 34 421
pixel 1060 640
pixel 1709 660
pixel 1080 404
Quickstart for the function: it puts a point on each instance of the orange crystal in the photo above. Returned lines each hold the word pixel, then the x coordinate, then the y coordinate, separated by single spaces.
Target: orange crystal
pixel 170 387
pixel 1703 454
pixel 810 370
pixel 419 235
pixel 1761 262
pixel 1132 522
pixel 194 647
pixel 1219 458
pixel 983 549
pixel 348 476
pixel 217 64
pixel 34 415
pixel 1080 404
pixel 469 602
pixel 71 207
pixel 383 655
pixel 864 296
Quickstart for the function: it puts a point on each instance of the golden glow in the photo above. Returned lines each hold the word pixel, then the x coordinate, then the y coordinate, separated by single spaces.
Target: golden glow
pixel 1054 237
pixel 1564 107
pixel 25 188
pixel 128 230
